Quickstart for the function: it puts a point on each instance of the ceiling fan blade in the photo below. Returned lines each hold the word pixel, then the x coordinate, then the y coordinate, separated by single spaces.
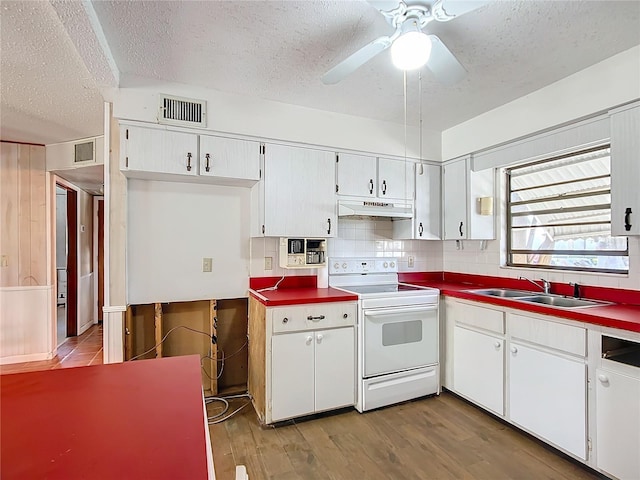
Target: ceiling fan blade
pixel 384 5
pixel 356 60
pixel 445 10
pixel 443 64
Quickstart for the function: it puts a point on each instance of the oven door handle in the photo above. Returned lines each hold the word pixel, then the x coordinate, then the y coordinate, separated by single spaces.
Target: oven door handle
pixel 399 311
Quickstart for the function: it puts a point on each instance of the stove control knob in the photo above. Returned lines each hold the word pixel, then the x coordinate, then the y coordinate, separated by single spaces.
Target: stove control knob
pixel 344 265
pixel 385 264
pixel 393 264
pixel 336 265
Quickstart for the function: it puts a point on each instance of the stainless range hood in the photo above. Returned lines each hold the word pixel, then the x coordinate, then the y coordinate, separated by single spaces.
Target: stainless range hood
pixel 353 208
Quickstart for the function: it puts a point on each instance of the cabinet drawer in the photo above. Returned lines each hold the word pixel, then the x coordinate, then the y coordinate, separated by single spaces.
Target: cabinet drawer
pixel 559 336
pixel 314 316
pixel 479 317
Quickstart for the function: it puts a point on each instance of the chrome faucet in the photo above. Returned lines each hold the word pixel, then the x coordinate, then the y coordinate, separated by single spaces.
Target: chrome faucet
pixel 545 287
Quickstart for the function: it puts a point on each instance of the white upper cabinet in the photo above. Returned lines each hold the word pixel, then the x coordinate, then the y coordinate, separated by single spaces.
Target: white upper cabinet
pixel 371 177
pixel 426 221
pixel 357 175
pixel 157 150
pixel 625 170
pixel 462 191
pixel 229 158
pixel 297 194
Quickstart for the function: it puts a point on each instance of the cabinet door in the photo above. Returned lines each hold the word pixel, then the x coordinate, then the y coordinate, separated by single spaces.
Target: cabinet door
pixel 395 179
pixel 618 424
pixel 335 368
pixel 356 175
pixel 454 184
pixel 160 151
pixel 292 376
pixel 229 158
pixel 299 192
pixel 547 396
pixel 625 171
pixel 478 368
pixel 427 207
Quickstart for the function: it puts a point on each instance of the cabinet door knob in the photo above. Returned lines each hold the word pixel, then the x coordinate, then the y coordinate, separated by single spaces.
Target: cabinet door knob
pixel 514 349
pixel 460 229
pixel 420 229
pixel 497 344
pixel 189 162
pixel 603 379
pixel 309 340
pixel 627 219
pixel 208 157
pixel 285 320
pixel 384 187
pixel 319 337
pixel 371 185
pixel 329 228
pixel 345 315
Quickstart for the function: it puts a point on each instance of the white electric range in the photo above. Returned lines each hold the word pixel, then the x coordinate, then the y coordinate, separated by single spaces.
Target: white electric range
pixel 397 332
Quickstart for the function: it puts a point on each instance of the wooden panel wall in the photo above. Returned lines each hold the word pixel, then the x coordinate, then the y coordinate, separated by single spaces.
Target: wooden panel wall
pixel 23 236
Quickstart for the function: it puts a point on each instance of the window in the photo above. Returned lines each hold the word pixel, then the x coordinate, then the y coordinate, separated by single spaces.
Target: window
pixel 559 214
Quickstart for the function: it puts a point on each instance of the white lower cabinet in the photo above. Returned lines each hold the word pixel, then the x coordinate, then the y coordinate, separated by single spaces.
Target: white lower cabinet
pixel 478 368
pixel 312 372
pixel 548 397
pixel 618 424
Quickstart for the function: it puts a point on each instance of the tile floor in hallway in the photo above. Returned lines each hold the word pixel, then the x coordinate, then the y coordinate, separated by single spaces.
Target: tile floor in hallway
pixel 83 350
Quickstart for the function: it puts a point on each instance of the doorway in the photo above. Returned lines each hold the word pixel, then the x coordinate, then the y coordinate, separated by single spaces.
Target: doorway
pixel 66 262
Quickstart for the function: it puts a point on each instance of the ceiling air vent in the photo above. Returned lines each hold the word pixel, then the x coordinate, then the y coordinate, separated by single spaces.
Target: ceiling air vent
pixel 182 111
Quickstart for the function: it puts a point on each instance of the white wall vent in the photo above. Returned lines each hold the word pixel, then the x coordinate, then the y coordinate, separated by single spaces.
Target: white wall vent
pixel 182 111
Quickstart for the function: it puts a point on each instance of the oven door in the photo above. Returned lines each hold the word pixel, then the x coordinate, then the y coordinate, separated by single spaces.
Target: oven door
pixel 399 338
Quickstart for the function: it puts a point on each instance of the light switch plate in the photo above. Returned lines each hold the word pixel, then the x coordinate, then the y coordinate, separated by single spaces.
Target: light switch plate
pixel 207 264
pixel 410 260
pixel 4 261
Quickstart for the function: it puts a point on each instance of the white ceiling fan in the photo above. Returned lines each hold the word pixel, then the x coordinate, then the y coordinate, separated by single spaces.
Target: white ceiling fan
pixel 411 48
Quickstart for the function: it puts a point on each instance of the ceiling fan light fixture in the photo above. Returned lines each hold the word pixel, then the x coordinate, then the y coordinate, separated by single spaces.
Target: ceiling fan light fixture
pixel 411 50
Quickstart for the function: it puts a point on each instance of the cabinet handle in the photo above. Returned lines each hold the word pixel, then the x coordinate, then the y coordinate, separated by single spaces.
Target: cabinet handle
pixel 319 337
pixel 460 228
pixel 420 229
pixel 285 320
pixel 371 185
pixel 189 162
pixel 315 319
pixel 514 349
pixel 497 344
pixel 207 156
pixel 309 340
pixel 627 219
pixel 384 187
pixel 329 229
pixel 126 331
pixel 603 379
pixel 346 315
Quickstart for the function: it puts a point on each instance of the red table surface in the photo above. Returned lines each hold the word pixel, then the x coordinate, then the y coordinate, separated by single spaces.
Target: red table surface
pixel 141 419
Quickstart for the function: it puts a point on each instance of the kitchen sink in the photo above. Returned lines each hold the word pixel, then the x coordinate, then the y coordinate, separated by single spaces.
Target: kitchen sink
pixel 562 302
pixel 502 292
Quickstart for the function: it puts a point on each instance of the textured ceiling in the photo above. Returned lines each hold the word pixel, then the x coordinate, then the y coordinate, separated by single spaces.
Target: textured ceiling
pixel 278 50
pixel 51 66
pixel 48 95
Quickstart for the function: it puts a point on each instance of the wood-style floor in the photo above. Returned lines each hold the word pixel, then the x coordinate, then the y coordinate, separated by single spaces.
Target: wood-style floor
pixel 434 438
pixel 80 351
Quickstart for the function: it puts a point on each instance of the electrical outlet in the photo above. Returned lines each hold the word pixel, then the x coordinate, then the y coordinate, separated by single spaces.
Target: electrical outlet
pixel 411 261
pixel 207 264
pixel 268 263
pixel 4 261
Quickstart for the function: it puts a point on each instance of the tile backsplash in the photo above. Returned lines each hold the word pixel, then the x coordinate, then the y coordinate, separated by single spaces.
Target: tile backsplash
pixel 367 237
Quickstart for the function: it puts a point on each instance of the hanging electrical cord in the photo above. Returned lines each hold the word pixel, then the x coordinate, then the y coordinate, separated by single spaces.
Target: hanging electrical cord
pixel 208 335
pixel 275 287
pixel 219 418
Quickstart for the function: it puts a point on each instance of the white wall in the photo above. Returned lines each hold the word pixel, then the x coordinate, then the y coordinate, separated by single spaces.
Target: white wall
pixel 171 227
pixel 361 237
pixel 236 114
pixel 612 82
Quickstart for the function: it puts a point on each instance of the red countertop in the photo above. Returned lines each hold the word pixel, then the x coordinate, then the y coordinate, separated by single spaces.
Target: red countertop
pixel 141 419
pixel 623 314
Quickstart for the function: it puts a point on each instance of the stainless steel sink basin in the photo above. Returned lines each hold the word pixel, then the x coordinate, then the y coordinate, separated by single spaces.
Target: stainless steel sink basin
pixel 562 302
pixel 502 292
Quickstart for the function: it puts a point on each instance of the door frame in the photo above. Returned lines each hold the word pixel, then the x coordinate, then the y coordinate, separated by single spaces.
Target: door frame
pixel 96 263
pixel 73 253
